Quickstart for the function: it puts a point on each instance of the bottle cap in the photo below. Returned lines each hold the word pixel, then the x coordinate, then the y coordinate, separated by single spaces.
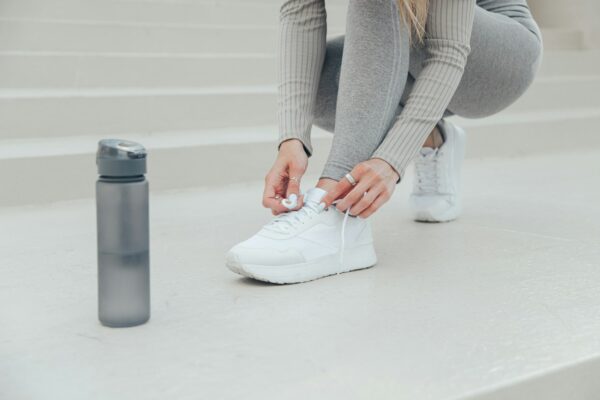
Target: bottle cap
pixel 120 158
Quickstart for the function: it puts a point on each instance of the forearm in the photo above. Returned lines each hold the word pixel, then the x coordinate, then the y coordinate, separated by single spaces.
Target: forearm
pixel 301 51
pixel 449 28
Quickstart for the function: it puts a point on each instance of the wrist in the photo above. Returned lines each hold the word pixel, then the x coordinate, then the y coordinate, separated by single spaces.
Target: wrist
pixel 393 173
pixel 291 145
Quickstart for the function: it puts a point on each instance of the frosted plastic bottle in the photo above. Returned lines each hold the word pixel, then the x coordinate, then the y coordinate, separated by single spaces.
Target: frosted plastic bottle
pixel 123 234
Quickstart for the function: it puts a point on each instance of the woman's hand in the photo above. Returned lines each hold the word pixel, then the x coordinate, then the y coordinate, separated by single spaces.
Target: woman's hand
pixel 284 177
pixel 375 182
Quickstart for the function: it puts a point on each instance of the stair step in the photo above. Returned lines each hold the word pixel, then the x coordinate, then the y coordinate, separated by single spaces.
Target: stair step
pixel 113 111
pixel 570 62
pixel 551 93
pixel 138 38
pixel 47 69
pixel 197 12
pixel 563 39
pixel 64 168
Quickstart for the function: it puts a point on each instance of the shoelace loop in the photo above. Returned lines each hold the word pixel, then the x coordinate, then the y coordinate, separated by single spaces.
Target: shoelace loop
pixel 427 173
pixel 287 221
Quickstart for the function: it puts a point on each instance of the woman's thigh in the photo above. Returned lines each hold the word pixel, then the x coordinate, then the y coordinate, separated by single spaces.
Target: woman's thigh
pixel 329 84
pixel 502 64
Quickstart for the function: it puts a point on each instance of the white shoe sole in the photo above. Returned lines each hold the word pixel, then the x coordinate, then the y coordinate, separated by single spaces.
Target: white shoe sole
pixel 361 257
pixel 454 211
pixel 450 215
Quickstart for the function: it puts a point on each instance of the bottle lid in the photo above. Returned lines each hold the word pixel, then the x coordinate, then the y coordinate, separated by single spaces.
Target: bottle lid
pixel 120 158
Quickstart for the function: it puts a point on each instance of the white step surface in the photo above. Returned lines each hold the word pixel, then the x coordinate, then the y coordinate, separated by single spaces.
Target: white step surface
pixel 238 12
pixel 69 70
pixel 564 39
pixel 570 62
pixel 506 293
pixel 51 69
pixel 45 170
pixel 39 113
pixel 109 36
pixel 30 113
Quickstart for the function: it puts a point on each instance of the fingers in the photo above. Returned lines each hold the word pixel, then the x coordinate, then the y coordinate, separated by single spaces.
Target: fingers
pixel 293 181
pixel 340 189
pixel 375 205
pixel 367 199
pixel 344 188
pixel 274 204
pixel 273 193
pixel 293 202
pixel 283 180
pixel 351 194
pixel 278 186
pixel 354 196
pixel 293 185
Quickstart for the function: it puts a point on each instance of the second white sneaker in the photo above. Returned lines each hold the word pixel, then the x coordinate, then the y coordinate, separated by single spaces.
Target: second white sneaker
pixel 303 245
pixel 436 193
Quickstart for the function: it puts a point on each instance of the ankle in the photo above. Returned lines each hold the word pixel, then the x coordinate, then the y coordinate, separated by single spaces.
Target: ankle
pixel 435 139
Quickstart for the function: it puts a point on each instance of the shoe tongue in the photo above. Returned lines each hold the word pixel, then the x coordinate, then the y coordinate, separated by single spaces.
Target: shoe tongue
pixel 314 195
pixel 427 151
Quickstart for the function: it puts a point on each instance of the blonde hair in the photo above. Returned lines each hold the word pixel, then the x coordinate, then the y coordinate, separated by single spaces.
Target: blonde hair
pixel 414 14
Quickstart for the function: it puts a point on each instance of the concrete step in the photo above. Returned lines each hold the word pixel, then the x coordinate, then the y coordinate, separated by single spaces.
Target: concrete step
pixel 505 295
pixel 78 36
pixel 570 62
pixel 51 169
pixel 135 36
pixel 33 113
pixel 551 93
pixel 46 69
pixel 563 39
pixel 166 12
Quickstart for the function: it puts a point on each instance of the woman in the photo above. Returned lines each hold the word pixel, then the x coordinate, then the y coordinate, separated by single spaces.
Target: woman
pixel 384 90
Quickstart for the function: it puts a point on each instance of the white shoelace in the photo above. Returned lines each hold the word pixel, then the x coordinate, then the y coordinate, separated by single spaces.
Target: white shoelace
pixel 290 220
pixel 343 241
pixel 426 169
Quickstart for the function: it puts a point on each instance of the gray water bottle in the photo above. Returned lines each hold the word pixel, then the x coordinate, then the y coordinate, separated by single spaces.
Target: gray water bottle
pixel 123 234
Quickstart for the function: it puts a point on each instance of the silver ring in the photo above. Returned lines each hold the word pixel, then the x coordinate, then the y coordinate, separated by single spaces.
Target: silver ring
pixel 294 178
pixel 351 179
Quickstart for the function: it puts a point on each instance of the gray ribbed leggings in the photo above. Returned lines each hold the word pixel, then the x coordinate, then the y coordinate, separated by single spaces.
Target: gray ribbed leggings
pixel 505 55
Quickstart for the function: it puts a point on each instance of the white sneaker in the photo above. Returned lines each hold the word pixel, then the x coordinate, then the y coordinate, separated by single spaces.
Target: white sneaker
pixel 303 245
pixel 436 188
